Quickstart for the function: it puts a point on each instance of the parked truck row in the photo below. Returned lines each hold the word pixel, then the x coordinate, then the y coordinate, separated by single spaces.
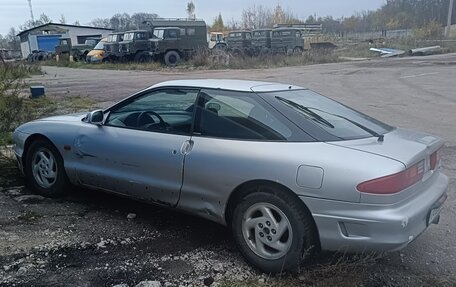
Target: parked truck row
pixel 172 40
pixel 283 38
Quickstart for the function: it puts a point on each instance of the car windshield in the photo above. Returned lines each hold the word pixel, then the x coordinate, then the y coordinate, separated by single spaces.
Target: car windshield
pixel 114 38
pixel 335 118
pixel 99 46
pixel 129 36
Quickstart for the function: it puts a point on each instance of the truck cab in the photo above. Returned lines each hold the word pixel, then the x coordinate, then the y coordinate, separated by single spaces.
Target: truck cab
pixel 261 40
pixel 112 46
pixel 287 40
pixel 240 41
pixel 216 40
pixel 135 45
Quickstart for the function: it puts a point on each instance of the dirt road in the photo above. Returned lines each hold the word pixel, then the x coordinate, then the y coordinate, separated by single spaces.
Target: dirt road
pixel 93 239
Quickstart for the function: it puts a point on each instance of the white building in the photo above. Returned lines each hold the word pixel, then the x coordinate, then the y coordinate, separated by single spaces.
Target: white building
pixel 46 37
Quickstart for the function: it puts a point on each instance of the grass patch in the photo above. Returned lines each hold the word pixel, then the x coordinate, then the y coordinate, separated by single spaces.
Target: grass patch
pixel 150 66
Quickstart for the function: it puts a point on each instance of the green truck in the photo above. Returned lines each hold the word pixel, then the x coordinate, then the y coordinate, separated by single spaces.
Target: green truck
pixel 169 40
pixel 240 42
pixel 112 46
pixel 261 41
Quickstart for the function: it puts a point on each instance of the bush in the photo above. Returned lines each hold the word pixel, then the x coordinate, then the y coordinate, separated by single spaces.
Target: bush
pixel 432 30
pixel 12 99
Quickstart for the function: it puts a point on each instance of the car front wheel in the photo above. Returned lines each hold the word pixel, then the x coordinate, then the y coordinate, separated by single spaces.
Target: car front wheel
pixel 272 230
pixel 44 169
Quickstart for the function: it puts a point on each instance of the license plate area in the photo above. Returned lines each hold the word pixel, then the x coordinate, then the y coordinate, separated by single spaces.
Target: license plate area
pixel 435 210
pixel 433 214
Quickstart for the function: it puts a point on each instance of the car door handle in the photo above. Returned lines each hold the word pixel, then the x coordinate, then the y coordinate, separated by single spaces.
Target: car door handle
pixel 186 147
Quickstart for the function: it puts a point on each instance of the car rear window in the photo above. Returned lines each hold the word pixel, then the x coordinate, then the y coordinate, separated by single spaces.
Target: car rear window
pixel 335 118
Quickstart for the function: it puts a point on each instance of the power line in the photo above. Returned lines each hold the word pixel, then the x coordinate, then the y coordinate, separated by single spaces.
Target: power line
pixel 450 14
pixel 31 10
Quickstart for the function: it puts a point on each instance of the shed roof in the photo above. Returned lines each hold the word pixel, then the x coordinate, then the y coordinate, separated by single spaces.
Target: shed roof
pixel 64 25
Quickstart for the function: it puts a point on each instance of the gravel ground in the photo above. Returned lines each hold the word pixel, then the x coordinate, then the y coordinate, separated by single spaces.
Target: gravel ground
pixel 95 239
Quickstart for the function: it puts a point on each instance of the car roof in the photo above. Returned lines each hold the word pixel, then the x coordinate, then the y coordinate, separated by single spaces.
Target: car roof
pixel 230 85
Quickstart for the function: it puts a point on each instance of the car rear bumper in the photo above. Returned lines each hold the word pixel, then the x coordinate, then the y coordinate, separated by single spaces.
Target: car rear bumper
pixel 357 227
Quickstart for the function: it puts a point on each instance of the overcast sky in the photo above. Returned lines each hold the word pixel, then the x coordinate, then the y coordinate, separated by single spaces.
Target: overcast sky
pixel 15 12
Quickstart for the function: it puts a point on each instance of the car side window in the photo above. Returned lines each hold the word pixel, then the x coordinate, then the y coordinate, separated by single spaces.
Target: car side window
pixel 164 110
pixel 235 115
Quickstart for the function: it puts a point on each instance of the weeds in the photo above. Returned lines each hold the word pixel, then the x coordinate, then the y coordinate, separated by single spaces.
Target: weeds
pixel 12 99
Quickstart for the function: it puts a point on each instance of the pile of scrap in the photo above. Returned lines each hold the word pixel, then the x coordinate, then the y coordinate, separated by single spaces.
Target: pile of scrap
pixel 425 51
pixel 390 52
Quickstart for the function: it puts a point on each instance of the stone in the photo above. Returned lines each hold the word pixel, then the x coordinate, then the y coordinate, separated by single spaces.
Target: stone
pixel 131 216
pixel 21 271
pixel 208 281
pixel 218 268
pixel 149 284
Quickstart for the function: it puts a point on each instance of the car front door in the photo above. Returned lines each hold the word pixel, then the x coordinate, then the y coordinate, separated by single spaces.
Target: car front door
pixel 140 148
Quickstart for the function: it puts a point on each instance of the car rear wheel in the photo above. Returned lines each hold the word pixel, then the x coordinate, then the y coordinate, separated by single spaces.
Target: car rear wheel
pixel 272 230
pixel 44 169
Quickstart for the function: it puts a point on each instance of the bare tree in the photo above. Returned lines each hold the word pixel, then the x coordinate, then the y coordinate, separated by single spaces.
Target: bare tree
pixel 62 19
pixel 191 10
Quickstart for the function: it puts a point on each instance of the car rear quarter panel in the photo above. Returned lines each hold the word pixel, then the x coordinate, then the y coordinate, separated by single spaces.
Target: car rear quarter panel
pixel 216 167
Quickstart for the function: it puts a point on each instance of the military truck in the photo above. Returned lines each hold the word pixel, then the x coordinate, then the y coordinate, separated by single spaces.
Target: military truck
pixel 79 52
pixel 261 41
pixel 295 38
pixel 111 46
pixel 287 40
pixel 135 46
pixel 240 42
pixel 164 39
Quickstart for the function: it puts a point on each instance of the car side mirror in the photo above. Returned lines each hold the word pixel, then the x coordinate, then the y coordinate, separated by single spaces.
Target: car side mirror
pixel 96 117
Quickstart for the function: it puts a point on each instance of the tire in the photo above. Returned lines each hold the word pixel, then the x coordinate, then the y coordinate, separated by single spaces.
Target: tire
pixel 257 223
pixel 142 57
pixel 220 47
pixel 172 58
pixel 44 169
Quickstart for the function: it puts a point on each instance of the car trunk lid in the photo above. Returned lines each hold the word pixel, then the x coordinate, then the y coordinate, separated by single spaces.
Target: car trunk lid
pixel 408 147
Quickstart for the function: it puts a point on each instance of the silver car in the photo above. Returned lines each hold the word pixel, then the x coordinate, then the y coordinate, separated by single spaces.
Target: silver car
pixel 288 170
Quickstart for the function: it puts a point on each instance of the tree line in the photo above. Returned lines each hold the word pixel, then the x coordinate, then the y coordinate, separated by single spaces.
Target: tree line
pixel 394 14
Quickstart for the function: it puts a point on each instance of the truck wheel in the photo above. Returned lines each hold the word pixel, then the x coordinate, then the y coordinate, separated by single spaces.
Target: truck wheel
pixel 75 57
pixel 172 58
pixel 220 46
pixel 142 57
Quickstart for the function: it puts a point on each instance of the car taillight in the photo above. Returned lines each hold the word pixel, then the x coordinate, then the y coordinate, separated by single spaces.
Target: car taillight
pixel 394 183
pixel 435 159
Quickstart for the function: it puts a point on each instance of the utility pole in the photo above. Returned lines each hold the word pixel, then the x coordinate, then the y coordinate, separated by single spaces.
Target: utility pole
pixel 31 11
pixel 450 14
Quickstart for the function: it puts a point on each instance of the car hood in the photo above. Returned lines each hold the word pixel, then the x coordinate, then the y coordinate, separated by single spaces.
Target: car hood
pixel 402 145
pixel 65 118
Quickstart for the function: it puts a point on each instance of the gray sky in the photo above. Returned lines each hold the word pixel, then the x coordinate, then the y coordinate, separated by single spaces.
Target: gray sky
pixel 15 12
